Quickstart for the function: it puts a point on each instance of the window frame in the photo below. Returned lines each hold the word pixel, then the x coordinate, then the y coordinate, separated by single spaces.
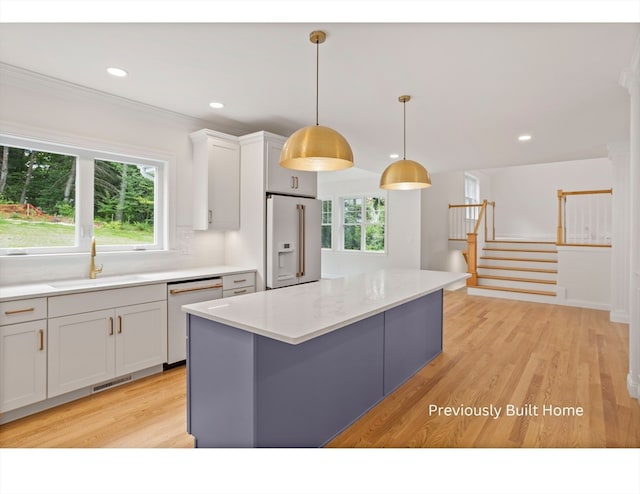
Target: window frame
pixel 471 213
pixel 330 224
pixel 84 200
pixel 363 223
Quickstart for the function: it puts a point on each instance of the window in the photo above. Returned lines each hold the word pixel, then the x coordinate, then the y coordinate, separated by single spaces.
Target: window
pixel 363 225
pixel 471 195
pixel 327 220
pixel 54 198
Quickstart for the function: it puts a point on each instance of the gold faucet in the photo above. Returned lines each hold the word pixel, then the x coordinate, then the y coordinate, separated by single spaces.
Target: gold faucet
pixel 92 267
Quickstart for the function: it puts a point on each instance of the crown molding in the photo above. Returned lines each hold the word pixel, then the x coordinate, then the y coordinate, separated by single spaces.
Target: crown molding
pixel 17 76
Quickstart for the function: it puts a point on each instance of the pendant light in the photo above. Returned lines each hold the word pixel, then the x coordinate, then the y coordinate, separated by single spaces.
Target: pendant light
pixel 316 148
pixel 405 174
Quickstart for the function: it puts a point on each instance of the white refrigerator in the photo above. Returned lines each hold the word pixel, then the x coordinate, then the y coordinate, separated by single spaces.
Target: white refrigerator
pixel 293 240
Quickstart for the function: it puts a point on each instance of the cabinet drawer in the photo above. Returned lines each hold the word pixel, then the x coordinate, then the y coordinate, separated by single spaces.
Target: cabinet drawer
pixel 23 310
pixel 240 280
pixel 77 303
pixel 238 291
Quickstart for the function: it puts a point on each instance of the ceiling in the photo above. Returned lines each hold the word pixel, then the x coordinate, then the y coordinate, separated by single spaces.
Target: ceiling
pixel 475 87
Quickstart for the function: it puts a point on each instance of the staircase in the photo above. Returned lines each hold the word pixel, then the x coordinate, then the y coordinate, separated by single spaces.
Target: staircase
pixel 517 269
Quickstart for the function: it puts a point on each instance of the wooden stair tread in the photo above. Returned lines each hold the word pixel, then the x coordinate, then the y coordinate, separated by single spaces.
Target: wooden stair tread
pixel 510 278
pixel 520 242
pixel 520 250
pixel 517 259
pixel 532 270
pixel 517 290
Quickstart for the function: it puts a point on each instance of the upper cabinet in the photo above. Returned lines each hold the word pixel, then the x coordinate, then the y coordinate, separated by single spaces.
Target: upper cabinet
pixel 216 181
pixel 282 180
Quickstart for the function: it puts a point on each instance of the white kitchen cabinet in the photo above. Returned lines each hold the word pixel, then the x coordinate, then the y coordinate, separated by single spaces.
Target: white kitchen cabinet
pixel 282 180
pixel 23 364
pixel 238 284
pixel 216 181
pixel 123 331
pixel 81 351
pixel 141 341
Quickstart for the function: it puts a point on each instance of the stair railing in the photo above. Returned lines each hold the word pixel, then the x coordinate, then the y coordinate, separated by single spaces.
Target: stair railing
pixel 466 218
pixel 464 224
pixel 586 219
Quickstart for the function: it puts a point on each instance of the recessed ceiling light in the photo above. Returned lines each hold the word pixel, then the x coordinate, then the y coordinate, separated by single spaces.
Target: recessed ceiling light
pixel 117 72
pixel 216 105
pixel 394 156
pixel 524 137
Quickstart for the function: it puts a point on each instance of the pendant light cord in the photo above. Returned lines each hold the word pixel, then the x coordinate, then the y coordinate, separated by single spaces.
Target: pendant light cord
pixel 404 130
pixel 317 78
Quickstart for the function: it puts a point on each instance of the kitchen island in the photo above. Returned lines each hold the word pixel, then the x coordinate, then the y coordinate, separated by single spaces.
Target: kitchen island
pixel 293 367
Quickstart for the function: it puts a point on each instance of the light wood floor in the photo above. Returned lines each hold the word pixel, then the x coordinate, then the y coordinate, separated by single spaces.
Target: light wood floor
pixel 496 352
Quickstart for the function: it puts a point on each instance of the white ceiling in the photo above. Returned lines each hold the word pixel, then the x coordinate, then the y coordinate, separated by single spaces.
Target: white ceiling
pixel 475 87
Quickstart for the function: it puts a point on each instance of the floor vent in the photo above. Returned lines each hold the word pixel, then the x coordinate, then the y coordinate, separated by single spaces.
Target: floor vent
pixel 115 382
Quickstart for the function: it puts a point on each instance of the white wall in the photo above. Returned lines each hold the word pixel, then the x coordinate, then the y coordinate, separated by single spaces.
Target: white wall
pixel 436 253
pixel 403 225
pixel 40 108
pixel 526 196
pixel 584 277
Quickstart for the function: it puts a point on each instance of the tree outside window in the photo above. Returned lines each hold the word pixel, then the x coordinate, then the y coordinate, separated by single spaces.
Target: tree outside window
pixel 40 191
pixel 364 223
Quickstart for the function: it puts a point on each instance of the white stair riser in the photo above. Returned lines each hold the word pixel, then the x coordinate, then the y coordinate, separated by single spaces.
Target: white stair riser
pixel 520 254
pixel 526 285
pixel 518 274
pixel 526 297
pixel 528 246
pixel 519 264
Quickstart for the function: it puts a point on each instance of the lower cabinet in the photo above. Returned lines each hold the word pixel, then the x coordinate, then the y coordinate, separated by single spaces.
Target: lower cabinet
pixel 23 364
pixel 92 347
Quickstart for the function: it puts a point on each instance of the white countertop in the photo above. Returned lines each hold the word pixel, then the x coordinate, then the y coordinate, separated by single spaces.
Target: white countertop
pixel 60 287
pixel 299 313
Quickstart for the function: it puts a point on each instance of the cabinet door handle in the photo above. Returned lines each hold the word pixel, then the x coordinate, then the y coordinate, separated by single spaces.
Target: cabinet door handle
pixel 238 292
pixel 210 216
pixel 119 324
pixel 18 311
pixel 111 326
pixel 296 182
pixel 41 335
pixel 240 281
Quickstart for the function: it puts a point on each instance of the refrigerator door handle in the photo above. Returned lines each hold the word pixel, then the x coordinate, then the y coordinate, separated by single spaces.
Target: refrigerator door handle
pixel 301 246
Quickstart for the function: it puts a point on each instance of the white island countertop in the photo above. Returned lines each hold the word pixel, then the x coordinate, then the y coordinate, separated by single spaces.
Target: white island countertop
pixel 299 313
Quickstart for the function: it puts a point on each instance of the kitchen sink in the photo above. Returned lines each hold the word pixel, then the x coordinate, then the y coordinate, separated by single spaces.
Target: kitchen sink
pixel 101 281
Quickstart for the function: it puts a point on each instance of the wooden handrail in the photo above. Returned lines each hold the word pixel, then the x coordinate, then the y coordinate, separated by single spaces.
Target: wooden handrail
pixel 584 192
pixel 480 216
pixel 561 235
pixel 465 205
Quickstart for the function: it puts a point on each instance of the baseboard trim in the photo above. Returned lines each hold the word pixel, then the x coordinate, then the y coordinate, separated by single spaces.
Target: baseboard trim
pixel 618 316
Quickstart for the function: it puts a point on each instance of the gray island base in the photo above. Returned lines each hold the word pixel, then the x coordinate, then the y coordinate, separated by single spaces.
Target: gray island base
pixel 293 367
pixel 249 390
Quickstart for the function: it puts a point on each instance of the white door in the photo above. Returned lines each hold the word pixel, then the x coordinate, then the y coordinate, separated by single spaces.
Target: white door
pixel 141 337
pixel 81 351
pixel 23 364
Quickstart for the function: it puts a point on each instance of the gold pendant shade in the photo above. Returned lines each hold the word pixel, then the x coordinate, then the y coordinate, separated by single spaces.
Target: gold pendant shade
pixel 316 148
pixel 405 174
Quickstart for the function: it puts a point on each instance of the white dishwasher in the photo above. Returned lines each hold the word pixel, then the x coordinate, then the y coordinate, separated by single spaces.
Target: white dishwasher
pixel 179 294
